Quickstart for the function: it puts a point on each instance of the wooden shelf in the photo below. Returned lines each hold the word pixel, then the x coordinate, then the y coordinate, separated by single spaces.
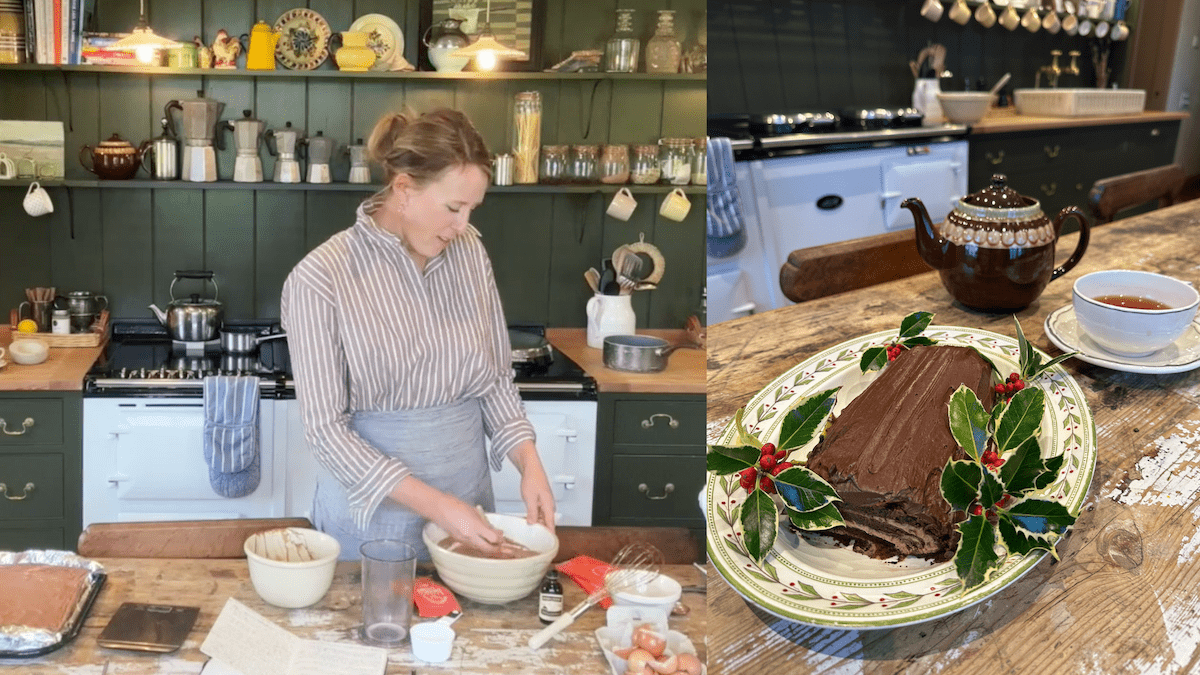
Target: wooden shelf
pixel 338 187
pixel 338 74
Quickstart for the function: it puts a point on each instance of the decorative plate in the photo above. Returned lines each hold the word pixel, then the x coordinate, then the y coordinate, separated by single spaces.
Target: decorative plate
pixel 384 38
pixel 303 39
pixel 1180 356
pixel 815 581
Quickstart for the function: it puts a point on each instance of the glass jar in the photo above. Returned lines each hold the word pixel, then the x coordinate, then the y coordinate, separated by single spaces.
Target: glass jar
pixel 662 50
pixel 700 161
pixel 696 58
pixel 583 163
pixel 554 164
pixel 675 161
pixel 621 50
pixel 644 169
pixel 614 164
pixel 527 136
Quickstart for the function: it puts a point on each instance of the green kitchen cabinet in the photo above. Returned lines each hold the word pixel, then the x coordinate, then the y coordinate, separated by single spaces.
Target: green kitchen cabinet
pixel 41 470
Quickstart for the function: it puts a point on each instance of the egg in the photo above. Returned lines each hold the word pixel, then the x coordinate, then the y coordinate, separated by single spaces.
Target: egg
pixel 688 663
pixel 647 638
pixel 639 659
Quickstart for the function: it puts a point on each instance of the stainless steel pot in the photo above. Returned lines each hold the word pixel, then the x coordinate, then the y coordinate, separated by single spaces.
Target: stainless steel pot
pixel 244 340
pixel 194 320
pixel 638 353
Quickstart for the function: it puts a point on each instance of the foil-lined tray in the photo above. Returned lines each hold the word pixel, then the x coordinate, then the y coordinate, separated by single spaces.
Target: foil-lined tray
pixel 23 641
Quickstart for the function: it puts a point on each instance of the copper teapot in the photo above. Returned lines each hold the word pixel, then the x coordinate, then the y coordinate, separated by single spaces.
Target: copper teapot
pixel 995 250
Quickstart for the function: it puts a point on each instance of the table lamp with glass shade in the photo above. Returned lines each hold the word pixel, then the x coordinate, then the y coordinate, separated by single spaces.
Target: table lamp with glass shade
pixel 486 50
pixel 143 41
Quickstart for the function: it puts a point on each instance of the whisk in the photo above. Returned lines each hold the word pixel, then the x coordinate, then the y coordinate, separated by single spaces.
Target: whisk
pixel 633 565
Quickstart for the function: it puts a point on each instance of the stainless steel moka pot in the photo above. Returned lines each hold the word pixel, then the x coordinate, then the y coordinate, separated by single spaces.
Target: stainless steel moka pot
pixel 247 137
pixel 320 151
pixel 360 172
pixel 283 143
pixel 198 127
pixel 163 152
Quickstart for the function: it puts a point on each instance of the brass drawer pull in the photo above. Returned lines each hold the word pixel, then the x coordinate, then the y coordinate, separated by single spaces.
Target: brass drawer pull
pixel 1051 153
pixel 1049 191
pixel 1155 132
pixel 997 159
pixel 642 488
pixel 24 427
pixel 28 489
pixel 671 421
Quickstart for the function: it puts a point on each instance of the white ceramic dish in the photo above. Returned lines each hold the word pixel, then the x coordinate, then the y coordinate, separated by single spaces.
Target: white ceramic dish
pixel 1183 355
pixel 965 107
pixel 291 567
pixel 489 580
pixel 662 592
pixel 815 581
pixel 304 39
pixel 1127 332
pixel 28 352
pixel 384 37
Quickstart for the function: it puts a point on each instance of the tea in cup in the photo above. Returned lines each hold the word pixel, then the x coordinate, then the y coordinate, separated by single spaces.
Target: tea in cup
pixel 37 201
pixel 622 204
pixel 675 206
pixel 1133 313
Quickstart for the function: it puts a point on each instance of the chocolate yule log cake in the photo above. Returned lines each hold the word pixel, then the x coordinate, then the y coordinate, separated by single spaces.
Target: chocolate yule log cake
pixel 885 452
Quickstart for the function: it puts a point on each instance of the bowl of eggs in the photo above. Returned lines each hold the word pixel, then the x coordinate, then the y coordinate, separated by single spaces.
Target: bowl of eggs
pixel 639 643
pixel 1132 313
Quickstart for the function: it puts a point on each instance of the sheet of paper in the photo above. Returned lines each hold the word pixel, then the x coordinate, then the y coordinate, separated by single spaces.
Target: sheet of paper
pixel 219 667
pixel 338 658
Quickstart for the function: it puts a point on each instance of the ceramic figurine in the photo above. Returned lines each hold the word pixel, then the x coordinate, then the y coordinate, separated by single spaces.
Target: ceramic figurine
pixel 204 55
pixel 225 50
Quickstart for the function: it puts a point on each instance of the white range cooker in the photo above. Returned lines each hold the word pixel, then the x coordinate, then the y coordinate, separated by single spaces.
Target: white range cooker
pixel 817 178
pixel 143 419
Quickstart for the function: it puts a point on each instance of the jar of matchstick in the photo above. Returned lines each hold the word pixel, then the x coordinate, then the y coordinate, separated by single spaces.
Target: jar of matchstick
pixel 527 136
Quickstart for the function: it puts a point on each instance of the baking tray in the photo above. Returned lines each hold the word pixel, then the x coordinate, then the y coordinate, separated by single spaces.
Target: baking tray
pixel 96 578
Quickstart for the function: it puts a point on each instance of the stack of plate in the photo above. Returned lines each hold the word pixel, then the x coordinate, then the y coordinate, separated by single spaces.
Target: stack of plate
pixel 12 32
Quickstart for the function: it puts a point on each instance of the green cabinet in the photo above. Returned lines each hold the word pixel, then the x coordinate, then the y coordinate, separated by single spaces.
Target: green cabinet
pixel 41 473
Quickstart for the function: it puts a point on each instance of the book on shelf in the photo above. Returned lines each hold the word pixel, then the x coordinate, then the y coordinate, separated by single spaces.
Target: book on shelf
pixel 53 30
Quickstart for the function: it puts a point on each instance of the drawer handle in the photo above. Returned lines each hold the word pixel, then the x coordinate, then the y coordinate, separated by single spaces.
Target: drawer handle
pixel 642 488
pixel 1051 153
pixel 1049 191
pixel 1155 132
pixel 671 421
pixel 24 427
pixel 997 159
pixel 28 489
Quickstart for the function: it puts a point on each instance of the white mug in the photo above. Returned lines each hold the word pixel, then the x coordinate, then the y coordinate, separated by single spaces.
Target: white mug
pixel 1120 31
pixel 37 201
pixel 7 168
pixel 932 10
pixel 1009 18
pixel 622 204
pixel 1085 27
pixel 1031 21
pixel 1070 24
pixel 1101 29
pixel 985 15
pixel 960 13
pixel 1050 23
pixel 675 205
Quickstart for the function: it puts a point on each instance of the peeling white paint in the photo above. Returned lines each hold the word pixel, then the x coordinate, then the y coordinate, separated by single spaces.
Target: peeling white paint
pixel 1171 477
pixel 1179 615
pixel 1188 551
pixel 308 617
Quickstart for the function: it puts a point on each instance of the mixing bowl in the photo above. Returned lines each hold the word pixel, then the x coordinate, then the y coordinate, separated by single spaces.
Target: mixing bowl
pixel 494 581
pixel 291 567
pixel 964 107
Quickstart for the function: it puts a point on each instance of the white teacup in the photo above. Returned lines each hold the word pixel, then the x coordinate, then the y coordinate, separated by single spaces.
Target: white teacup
pixel 675 206
pixel 37 201
pixel 1129 331
pixel 622 204
pixel 1101 29
pixel 1085 27
pixel 932 10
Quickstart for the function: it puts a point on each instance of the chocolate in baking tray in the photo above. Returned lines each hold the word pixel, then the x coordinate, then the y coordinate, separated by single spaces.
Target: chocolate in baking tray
pixel 47 594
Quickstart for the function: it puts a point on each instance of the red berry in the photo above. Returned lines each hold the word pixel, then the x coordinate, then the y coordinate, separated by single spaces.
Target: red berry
pixel 976 509
pixel 779 455
pixel 999 389
pixel 766 485
pixel 1013 377
pixel 768 449
pixel 1004 501
pixel 780 468
pixel 1018 385
pixel 766 462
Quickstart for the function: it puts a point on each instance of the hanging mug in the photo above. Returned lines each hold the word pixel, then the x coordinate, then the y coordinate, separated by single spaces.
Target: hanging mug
pixel 37 201
pixel 960 13
pixel 932 10
pixel 8 170
pixel 675 205
pixel 622 205
pixel 985 15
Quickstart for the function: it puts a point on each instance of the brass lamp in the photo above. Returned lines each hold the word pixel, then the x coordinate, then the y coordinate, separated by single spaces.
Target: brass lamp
pixel 143 41
pixel 486 49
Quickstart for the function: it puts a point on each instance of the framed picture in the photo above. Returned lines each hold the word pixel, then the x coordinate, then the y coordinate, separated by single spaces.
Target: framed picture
pixel 515 23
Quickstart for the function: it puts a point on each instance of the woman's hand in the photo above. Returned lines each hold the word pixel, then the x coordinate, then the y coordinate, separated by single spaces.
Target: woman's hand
pixel 463 522
pixel 535 487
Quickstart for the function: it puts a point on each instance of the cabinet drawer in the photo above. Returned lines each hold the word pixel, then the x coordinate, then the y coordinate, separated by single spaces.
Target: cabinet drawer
pixel 664 422
pixel 23 539
pixel 31 421
pixel 684 475
pixel 44 499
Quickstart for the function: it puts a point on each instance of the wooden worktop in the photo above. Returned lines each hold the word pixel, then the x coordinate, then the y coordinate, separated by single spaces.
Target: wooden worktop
pixel 684 373
pixel 1003 120
pixel 63 369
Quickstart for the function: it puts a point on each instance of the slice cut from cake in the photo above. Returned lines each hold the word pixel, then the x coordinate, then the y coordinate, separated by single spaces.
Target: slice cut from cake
pixel 884 454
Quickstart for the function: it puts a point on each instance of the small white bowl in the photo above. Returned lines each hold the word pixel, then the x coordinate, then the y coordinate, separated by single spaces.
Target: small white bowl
pixel 1133 332
pixel 431 641
pixel 662 592
pixel 965 107
pixel 28 352
pixel 489 580
pixel 291 567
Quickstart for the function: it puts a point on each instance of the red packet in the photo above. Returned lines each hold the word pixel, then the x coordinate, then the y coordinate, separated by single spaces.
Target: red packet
pixel 588 573
pixel 433 600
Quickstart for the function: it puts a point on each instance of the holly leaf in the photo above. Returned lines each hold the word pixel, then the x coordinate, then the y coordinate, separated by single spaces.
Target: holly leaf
pixel 968 421
pixel 960 483
pixel 802 422
pixel 976 556
pixel 744 437
pixel 914 324
pixel 991 490
pixel 1019 541
pixel 1054 362
pixel 1022 469
pixel 1053 466
pixel 988 359
pixel 804 490
pixel 919 341
pixel 1021 419
pixel 823 518
pixel 1025 351
pixel 759 522
pixel 873 358
pixel 1040 516
pixel 723 460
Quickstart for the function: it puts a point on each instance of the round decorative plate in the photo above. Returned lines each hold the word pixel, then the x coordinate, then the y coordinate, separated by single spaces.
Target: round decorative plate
pixel 815 581
pixel 1180 356
pixel 384 38
pixel 303 39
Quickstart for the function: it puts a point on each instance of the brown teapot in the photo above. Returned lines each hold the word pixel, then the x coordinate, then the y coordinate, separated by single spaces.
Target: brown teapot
pixel 115 158
pixel 995 251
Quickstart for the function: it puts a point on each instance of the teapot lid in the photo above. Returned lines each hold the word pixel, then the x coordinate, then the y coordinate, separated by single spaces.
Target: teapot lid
pixel 115 141
pixel 998 196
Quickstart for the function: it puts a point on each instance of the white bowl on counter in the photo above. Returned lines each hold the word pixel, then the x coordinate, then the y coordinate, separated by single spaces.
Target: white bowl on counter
pixel 494 581
pixel 28 352
pixel 291 567
pixel 660 592
pixel 965 107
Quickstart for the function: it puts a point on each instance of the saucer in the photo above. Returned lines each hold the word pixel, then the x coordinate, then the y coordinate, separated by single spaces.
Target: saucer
pixel 1180 356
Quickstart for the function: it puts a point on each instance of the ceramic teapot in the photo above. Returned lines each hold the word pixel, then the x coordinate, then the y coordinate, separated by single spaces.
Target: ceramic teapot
pixel 995 250
pixel 115 158
pixel 261 54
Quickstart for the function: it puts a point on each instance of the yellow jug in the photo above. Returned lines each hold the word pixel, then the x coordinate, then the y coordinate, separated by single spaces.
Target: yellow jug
pixel 261 55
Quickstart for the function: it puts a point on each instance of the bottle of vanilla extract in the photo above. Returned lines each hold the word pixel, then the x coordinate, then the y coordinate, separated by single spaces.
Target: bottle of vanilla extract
pixel 550 598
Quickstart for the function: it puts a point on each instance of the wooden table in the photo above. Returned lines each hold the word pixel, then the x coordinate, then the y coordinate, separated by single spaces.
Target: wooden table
pixel 1123 597
pixel 491 639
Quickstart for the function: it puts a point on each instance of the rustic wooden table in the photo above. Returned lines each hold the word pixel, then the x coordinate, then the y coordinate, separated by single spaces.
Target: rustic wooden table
pixel 1122 598
pixel 491 639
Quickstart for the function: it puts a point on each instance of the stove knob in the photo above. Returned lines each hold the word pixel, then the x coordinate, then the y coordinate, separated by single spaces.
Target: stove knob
pixel 122 375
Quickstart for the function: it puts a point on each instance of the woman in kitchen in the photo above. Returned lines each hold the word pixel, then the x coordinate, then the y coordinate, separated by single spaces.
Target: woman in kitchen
pixel 401 355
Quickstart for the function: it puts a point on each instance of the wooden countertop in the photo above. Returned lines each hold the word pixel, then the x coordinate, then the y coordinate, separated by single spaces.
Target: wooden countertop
pixel 490 639
pixel 684 373
pixel 63 369
pixel 1002 120
pixel 1122 596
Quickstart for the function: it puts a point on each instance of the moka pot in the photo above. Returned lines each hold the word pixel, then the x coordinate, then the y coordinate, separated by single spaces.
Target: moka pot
pixel 197 128
pixel 247 136
pixel 320 151
pixel 360 172
pixel 283 144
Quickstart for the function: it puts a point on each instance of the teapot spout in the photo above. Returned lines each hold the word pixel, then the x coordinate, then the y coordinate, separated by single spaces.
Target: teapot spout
pixel 162 316
pixel 930 245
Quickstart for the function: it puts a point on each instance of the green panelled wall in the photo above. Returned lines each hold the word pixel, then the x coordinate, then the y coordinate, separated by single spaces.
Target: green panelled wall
pixel 126 243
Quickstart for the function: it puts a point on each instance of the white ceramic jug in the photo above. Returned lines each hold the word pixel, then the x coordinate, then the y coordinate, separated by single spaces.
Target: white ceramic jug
pixel 925 100
pixel 609 315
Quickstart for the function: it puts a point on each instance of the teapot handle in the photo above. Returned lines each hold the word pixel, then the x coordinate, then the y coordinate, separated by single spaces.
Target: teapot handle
pixel 1084 234
pixel 88 149
pixel 425 36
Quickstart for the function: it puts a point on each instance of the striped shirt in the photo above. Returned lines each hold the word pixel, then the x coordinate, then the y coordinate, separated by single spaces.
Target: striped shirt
pixel 369 331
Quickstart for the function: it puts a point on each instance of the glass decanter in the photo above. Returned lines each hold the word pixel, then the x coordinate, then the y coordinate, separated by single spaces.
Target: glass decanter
pixel 621 50
pixel 663 51
pixel 696 58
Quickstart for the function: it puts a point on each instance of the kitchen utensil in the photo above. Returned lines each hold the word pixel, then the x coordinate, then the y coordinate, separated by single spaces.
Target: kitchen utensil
pixel 529 348
pixel 29 352
pixel 84 302
pixel 502 169
pixel 639 353
pixel 622 205
pixel 609 314
pixel 653 256
pixel 360 172
pixel 194 320
pixel 634 563
pixel 164 150
pixel 292 567
pixel 593 278
pixel 283 143
pixel 37 201
pixel 244 341
pixel 1000 85
pixel 924 99
pixel 198 128
pixel 627 285
pixel 1128 331
pixel 247 137
pixel 432 640
pixel 113 159
pixel 320 152
pixel 442 39
pixel 388 569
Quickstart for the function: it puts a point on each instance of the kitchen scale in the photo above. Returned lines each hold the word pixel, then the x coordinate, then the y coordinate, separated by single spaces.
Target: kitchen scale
pixel 148 628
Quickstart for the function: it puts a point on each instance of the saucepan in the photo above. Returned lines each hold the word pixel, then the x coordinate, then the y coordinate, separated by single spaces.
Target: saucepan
pixel 639 353
pixel 244 340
